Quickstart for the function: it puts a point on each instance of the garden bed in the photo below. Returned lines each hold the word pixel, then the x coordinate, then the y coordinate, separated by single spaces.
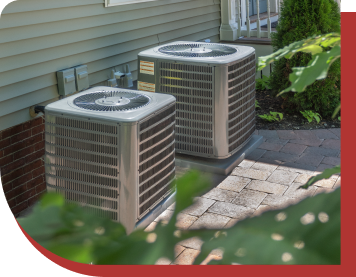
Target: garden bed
pixel 294 121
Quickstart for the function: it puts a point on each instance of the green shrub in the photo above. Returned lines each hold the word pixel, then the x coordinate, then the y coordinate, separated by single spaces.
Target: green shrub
pixel 299 20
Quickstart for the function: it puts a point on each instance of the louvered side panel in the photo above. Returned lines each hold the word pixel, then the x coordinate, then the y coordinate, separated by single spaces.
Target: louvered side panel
pixel 241 103
pixel 192 85
pixel 156 159
pixel 82 163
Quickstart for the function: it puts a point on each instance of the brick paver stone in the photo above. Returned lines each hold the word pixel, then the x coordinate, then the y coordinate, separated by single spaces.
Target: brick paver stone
pixel 210 221
pixel 177 251
pixel 327 183
pixel 151 227
pixel 261 209
pixel 308 142
pixel 299 168
pixel 274 200
pixel 322 151
pixel 331 160
pixel 292 148
pixel 251 173
pixel 265 166
pixel 278 156
pixel 268 187
pixel 255 154
pixel 332 144
pixel 282 177
pixel 270 161
pixel 187 257
pixel 305 135
pixel 268 134
pixel 322 167
pixel 194 243
pixel 164 217
pixel 249 198
pixel 277 141
pixel 199 207
pixel 270 146
pixel 336 131
pixel 231 223
pixel 210 258
pixel 217 252
pixel 295 192
pixel 163 261
pixel 231 210
pixel 310 159
pixel 172 207
pixel 303 178
pixel 234 183
pixel 287 134
pixel 221 195
pixel 338 183
pixel 322 190
pixel 184 221
pixel 324 134
pixel 246 163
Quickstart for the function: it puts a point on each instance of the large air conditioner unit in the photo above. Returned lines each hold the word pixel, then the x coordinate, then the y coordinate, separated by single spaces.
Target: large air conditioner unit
pixel 214 85
pixel 112 150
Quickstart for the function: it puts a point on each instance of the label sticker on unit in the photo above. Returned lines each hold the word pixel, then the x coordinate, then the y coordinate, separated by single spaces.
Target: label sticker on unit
pixel 147 67
pixel 146 86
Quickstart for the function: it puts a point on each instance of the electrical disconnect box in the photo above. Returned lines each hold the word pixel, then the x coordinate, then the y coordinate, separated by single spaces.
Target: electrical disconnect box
pixel 81 77
pixel 66 81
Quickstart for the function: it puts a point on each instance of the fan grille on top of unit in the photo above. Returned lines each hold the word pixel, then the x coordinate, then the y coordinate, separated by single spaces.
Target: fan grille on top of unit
pixel 111 101
pixel 197 50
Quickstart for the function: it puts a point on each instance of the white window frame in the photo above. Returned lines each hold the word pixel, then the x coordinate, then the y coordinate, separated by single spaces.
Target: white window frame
pixel 111 3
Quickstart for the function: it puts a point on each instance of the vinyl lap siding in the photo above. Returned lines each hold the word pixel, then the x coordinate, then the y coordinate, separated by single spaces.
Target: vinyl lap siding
pixel 40 37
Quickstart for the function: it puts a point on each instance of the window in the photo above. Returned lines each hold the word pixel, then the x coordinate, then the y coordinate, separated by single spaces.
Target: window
pixel 110 3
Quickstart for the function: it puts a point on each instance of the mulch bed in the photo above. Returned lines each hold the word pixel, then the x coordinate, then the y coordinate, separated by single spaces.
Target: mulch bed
pixel 294 121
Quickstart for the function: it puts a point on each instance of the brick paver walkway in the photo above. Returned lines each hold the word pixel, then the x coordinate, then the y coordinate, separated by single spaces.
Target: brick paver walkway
pixel 267 179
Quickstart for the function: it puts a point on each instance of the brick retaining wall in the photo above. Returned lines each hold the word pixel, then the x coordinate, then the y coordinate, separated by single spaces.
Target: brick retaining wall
pixel 21 164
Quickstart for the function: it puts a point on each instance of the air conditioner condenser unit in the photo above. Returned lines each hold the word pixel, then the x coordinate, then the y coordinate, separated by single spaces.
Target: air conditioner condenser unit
pixel 214 85
pixel 112 150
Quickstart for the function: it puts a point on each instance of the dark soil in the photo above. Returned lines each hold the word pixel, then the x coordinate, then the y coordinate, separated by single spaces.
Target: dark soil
pixel 290 121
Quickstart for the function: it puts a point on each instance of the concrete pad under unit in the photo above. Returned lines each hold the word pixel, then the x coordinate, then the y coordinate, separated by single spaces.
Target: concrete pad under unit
pixel 215 166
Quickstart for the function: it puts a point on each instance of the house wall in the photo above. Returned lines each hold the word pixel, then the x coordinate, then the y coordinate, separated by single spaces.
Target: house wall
pixel 40 37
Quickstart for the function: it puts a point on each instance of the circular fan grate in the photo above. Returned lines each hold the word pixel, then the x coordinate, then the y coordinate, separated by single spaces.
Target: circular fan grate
pixel 197 50
pixel 111 101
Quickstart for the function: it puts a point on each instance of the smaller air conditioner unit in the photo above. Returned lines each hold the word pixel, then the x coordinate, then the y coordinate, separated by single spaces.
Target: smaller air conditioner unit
pixel 214 85
pixel 112 150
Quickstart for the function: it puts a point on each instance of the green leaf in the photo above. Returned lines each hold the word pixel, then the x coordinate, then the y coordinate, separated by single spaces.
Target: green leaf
pixel 76 253
pixel 327 173
pixel 317 69
pixel 312 49
pixel 309 45
pixel 52 199
pixel 317 118
pixel 267 117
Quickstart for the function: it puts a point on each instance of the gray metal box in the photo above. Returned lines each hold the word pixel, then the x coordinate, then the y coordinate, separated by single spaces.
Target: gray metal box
pixel 112 150
pixel 66 81
pixel 214 85
pixel 81 77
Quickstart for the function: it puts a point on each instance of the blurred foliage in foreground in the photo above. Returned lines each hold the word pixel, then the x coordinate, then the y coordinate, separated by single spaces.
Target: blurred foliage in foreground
pixel 305 233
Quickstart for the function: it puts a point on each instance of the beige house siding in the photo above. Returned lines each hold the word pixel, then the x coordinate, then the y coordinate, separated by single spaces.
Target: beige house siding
pixel 40 37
